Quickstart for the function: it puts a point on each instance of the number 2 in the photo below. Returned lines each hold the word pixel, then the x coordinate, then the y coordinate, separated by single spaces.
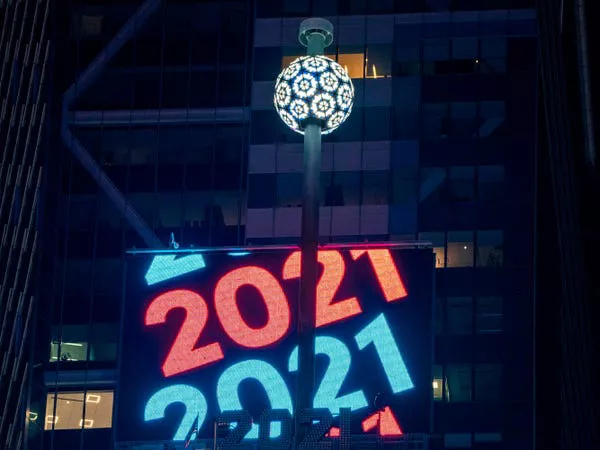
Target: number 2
pixel 195 408
pixel 333 272
pixel 182 356
pixel 335 375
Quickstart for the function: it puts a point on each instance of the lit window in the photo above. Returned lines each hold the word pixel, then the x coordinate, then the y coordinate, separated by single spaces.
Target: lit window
pixel 67 412
pixel 490 251
pixel 80 342
pixel 488 315
pixel 377 63
pixel 69 351
pixel 460 249
pixel 438 383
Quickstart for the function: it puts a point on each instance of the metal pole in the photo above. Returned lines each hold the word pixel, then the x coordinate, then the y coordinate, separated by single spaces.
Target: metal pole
pixel 309 263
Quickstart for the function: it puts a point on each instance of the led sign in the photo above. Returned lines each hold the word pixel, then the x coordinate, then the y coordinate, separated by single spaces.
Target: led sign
pixel 211 338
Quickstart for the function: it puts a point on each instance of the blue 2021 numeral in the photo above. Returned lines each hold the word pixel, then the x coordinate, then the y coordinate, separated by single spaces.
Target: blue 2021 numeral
pixel 335 375
pixel 377 332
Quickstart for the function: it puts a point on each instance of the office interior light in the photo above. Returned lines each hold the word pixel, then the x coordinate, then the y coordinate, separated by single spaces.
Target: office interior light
pixel 314 89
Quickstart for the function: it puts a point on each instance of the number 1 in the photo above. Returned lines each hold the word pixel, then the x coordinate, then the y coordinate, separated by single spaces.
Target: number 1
pixel 379 333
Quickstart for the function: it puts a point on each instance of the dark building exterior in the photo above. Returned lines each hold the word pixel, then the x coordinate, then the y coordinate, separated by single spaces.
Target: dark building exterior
pixel 160 128
pixel 25 48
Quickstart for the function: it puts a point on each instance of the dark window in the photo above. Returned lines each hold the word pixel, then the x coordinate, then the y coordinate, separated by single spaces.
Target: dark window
pixel 488 315
pixel 458 383
pixel 289 189
pixel 490 183
pixel 376 188
pixel 433 183
pixel 488 382
pixel 461 184
pixel 404 187
pixel 438 241
pixel 490 250
pixel 262 190
pixel 377 124
pixel 459 315
pixel 407 69
pixel 341 188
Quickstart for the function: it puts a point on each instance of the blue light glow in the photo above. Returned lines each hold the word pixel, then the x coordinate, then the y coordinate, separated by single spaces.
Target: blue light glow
pixel 379 333
pixel 165 267
pixel 274 385
pixel 333 380
pixel 192 398
pixel 238 253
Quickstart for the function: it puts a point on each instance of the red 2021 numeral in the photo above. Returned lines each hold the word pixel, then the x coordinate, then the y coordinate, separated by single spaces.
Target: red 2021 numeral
pixel 278 308
pixel 334 270
pixel 385 271
pixel 182 356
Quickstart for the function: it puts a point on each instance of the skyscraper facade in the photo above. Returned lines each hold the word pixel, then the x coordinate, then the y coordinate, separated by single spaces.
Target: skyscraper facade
pixel 163 133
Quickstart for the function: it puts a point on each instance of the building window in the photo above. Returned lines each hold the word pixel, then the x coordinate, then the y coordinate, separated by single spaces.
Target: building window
pixel 80 342
pixel 488 382
pixel 459 315
pixel 439 315
pixel 375 188
pixel 490 251
pixel 65 410
pixel 341 188
pixel 372 62
pixel 437 241
pixel 289 189
pixel 432 185
pixel 461 184
pixel 460 249
pixel 488 315
pixel 459 383
pixel 457 440
pixel 438 383
pixel 490 183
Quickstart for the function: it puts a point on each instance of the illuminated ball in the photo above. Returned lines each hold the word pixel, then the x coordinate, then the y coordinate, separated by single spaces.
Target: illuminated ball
pixel 314 89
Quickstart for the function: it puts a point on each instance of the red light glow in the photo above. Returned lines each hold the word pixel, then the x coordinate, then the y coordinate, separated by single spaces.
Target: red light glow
pixel 182 356
pixel 334 270
pixel 386 272
pixel 229 314
pixel 388 424
pixel 333 432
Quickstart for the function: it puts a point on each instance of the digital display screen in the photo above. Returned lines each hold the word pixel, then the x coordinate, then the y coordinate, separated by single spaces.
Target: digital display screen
pixel 214 332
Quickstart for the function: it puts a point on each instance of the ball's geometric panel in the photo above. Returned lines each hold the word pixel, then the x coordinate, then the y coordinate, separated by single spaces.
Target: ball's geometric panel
pixel 314 89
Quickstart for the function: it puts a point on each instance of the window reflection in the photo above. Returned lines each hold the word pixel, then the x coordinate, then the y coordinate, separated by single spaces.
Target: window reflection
pixel 460 249
pixel 64 410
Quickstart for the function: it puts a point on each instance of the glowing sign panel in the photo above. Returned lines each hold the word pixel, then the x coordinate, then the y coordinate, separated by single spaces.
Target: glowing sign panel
pixel 209 344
